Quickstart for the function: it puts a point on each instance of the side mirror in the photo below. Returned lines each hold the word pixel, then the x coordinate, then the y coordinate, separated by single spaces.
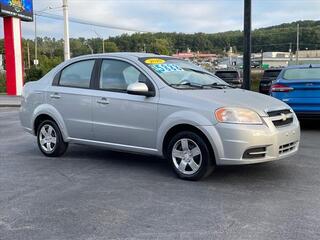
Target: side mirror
pixel 139 88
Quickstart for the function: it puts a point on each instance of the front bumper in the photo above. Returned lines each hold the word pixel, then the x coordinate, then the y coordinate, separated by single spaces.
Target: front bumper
pixel 231 141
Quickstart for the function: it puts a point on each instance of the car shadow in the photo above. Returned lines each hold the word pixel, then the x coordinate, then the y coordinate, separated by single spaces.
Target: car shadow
pixel 158 167
pixel 103 158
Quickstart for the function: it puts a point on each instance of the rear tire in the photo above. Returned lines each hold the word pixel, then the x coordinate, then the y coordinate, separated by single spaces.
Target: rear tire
pixel 190 156
pixel 50 140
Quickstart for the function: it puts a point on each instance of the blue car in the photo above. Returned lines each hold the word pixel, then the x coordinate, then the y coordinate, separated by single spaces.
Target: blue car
pixel 299 87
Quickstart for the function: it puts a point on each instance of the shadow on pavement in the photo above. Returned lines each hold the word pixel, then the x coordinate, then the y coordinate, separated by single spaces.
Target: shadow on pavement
pixel 158 167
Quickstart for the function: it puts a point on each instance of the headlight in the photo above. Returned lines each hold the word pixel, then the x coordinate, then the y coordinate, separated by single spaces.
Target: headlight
pixel 237 115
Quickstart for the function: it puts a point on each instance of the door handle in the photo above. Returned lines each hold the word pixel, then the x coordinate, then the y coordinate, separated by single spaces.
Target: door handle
pixel 103 101
pixel 55 96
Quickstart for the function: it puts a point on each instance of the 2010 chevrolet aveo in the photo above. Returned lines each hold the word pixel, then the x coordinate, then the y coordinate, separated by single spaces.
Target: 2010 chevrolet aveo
pixel 152 104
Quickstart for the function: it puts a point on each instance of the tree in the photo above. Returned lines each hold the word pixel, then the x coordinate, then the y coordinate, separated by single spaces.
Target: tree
pixel 161 46
pixel 110 47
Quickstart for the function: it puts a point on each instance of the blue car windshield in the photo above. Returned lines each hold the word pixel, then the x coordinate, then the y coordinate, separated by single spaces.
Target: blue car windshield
pixel 181 73
pixel 302 74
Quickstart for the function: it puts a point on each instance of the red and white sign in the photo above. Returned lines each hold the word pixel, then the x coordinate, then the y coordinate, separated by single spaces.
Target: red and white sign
pixel 13 55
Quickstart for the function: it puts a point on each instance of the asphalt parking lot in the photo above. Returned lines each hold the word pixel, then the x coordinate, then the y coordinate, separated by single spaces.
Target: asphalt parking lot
pixel 93 193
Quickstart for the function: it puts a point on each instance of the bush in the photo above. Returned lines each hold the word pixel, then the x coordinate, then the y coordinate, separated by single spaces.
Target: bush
pixel 255 80
pixel 33 74
pixel 2 82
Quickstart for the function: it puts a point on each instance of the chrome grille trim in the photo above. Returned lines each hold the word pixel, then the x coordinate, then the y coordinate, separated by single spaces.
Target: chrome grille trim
pixel 281 117
pixel 287 148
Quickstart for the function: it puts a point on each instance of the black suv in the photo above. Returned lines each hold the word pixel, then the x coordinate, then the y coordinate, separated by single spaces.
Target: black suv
pixel 233 77
pixel 267 78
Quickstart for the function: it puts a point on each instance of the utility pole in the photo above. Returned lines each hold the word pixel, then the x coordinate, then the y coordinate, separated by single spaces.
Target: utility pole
pixel 35 62
pixel 261 58
pixel 66 30
pixel 89 46
pixel 290 51
pixel 99 36
pixel 298 42
pixel 28 50
pixel 247 45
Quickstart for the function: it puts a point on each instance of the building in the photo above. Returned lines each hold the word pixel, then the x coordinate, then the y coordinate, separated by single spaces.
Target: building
pixel 206 57
pixel 283 59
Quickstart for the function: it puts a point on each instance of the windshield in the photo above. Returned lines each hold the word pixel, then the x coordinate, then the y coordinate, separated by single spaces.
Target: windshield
pixel 271 74
pixel 182 74
pixel 302 74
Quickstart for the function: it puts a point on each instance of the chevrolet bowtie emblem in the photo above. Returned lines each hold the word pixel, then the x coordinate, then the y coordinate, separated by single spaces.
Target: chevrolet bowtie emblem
pixel 284 117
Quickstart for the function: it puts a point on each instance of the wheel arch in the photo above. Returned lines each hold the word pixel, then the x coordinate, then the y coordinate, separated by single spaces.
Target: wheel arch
pixel 181 128
pixel 48 112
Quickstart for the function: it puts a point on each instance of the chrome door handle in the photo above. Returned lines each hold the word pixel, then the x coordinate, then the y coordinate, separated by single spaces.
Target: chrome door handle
pixel 103 101
pixel 55 96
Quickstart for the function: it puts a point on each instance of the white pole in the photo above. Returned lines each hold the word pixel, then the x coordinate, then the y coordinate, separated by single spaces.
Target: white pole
pixel 66 30
pixel 35 40
pixel 298 44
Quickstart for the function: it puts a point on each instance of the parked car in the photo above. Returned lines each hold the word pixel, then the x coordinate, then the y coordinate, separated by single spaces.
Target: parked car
pixel 299 86
pixel 255 64
pixel 233 77
pixel 269 75
pixel 152 104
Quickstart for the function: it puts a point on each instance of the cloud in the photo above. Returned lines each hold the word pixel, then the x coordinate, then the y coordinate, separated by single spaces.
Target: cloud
pixel 169 15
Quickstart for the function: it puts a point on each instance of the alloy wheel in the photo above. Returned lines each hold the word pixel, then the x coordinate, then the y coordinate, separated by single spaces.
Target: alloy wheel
pixel 48 138
pixel 186 156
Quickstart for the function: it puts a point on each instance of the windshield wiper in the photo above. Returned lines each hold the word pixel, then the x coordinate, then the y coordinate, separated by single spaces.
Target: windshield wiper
pixel 217 85
pixel 189 84
pixel 194 70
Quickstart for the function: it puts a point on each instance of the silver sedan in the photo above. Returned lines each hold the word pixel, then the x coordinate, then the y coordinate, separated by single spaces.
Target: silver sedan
pixel 158 105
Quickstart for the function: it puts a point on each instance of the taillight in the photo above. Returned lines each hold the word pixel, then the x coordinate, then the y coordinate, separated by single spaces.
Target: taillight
pixel 281 88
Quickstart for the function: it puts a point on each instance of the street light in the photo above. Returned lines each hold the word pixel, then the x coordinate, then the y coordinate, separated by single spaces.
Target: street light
pixel 89 46
pixel 99 36
pixel 36 61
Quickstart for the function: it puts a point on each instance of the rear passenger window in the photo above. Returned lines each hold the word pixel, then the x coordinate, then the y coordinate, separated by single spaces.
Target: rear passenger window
pixel 77 74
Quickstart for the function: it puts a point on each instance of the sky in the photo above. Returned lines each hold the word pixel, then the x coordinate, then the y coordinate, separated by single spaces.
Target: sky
pixel 188 16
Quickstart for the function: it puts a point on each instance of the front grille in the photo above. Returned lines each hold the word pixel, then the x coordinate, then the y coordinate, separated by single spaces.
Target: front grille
pixel 287 148
pixel 259 152
pixel 281 117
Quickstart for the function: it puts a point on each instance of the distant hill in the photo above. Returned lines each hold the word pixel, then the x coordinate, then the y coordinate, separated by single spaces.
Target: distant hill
pixel 274 38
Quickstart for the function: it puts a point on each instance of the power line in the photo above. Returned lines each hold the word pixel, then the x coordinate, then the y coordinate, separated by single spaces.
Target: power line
pixel 95 24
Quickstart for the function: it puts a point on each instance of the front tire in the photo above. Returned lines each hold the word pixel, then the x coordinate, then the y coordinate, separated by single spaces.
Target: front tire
pixel 50 141
pixel 189 156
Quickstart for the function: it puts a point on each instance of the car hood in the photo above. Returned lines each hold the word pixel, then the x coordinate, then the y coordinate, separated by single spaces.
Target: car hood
pixel 236 98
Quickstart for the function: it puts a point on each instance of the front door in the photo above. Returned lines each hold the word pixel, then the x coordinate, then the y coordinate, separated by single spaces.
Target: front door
pixel 119 118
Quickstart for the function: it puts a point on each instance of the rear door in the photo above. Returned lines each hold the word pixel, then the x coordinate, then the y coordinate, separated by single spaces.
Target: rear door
pixel 71 97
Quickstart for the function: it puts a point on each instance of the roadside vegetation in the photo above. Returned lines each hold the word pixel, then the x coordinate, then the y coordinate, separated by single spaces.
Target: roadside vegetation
pixel 2 82
pixel 276 38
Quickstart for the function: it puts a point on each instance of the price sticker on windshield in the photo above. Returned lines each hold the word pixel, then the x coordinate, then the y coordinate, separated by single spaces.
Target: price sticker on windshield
pixel 164 68
pixel 155 61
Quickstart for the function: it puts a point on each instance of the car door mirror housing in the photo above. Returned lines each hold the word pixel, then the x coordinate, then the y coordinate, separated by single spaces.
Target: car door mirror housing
pixel 139 88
